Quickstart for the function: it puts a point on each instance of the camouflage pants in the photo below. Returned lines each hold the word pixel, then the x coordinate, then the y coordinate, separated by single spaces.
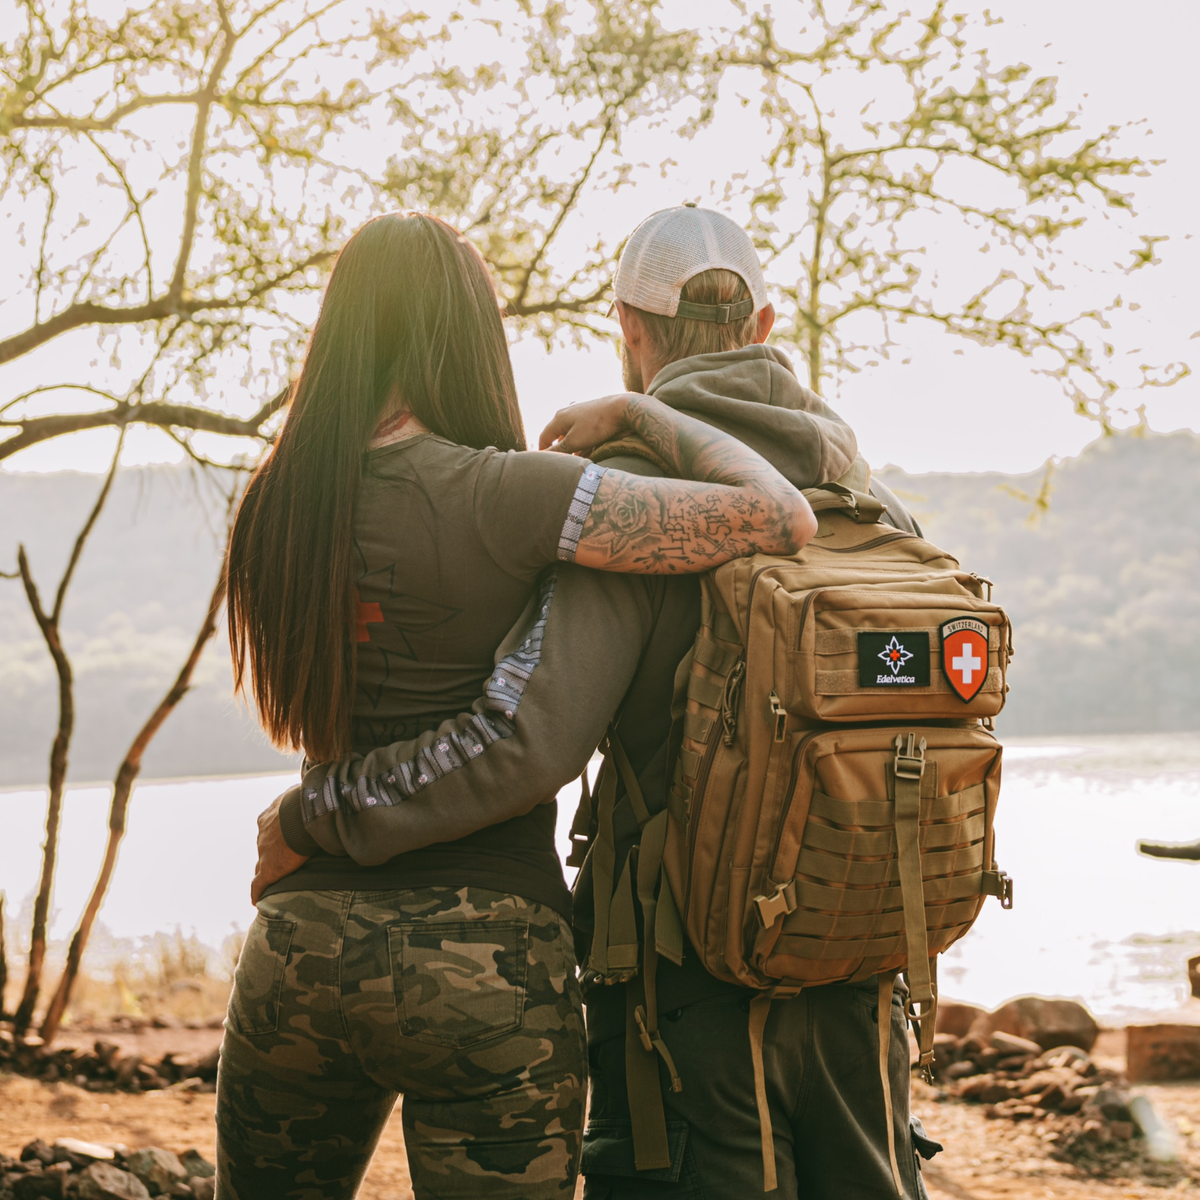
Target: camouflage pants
pixel 462 1000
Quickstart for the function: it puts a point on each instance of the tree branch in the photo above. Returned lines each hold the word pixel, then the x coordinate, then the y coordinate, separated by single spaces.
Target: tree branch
pixel 160 414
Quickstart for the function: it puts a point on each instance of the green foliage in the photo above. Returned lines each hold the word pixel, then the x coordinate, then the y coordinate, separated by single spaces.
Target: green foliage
pixel 234 143
pixel 893 129
pixel 246 138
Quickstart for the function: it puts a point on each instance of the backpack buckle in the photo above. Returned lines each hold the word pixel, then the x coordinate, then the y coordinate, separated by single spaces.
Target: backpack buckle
pixel 778 904
pixel 910 759
pixel 778 715
pixel 999 884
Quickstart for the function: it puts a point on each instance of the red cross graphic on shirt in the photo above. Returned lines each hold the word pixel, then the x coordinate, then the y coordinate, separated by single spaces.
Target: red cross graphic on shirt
pixel 365 613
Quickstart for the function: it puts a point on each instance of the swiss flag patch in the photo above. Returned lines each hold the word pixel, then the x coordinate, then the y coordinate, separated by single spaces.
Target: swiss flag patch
pixel 965 655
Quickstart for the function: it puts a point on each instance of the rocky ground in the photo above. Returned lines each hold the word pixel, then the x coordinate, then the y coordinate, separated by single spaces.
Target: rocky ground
pixel 172 1120
pixel 996 1159
pixel 992 1151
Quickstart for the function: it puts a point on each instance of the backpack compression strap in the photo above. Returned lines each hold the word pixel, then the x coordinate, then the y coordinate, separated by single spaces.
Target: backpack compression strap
pixel 615 949
pixel 921 1007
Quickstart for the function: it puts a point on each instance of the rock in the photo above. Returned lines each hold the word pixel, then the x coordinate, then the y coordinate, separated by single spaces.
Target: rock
pixel 1010 1044
pixel 39 1151
pixel 1154 1053
pixel 1062 1056
pixel 1121 1131
pixel 1014 1064
pixel 1051 1097
pixel 127 1070
pixel 987 1089
pixel 1049 1023
pixel 50 1184
pixel 195 1164
pixel 1109 1102
pixel 206 1067
pixel 1194 975
pixel 79 1154
pixel 961 1070
pixel 157 1169
pixel 204 1187
pixel 956 1018
pixel 148 1078
pixel 1039 1081
pixel 107 1053
pixel 945 1052
pixel 102 1181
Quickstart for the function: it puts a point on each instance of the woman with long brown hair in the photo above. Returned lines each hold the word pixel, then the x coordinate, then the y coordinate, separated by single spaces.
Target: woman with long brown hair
pixel 382 551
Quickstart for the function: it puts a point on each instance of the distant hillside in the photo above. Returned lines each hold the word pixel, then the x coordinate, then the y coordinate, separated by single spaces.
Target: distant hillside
pixel 130 618
pixel 1102 592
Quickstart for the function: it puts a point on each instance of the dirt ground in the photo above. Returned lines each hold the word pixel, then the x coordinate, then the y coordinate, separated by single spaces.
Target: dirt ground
pixel 176 1121
pixel 983 1160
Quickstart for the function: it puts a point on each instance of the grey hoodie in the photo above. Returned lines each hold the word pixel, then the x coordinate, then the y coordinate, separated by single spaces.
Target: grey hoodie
pixel 753 394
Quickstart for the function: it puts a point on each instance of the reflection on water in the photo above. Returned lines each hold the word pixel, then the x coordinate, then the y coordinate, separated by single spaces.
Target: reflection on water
pixel 1092 918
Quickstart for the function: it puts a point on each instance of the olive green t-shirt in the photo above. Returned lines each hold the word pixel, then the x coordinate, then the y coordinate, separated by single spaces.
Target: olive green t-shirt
pixel 448 545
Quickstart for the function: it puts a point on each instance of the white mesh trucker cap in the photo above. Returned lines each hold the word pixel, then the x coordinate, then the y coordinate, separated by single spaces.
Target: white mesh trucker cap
pixel 671 246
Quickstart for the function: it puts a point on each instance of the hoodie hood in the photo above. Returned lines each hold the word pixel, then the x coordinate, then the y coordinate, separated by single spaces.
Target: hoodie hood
pixel 753 395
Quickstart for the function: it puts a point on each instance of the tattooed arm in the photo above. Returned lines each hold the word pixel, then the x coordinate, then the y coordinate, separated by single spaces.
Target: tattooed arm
pixel 727 502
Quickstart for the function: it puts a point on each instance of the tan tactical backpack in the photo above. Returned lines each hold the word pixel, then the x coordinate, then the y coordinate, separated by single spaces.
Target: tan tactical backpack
pixel 834 790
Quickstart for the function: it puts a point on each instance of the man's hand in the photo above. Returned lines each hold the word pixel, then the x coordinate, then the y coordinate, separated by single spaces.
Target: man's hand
pixel 582 427
pixel 275 857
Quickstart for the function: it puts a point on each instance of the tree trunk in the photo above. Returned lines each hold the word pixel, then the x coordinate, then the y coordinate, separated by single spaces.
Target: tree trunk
pixel 48 623
pixel 118 810
pixel 58 775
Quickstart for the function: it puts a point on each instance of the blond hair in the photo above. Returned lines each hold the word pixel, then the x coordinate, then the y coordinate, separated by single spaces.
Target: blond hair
pixel 682 337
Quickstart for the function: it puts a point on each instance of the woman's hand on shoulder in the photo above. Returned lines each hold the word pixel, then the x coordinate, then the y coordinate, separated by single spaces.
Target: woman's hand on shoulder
pixel 582 427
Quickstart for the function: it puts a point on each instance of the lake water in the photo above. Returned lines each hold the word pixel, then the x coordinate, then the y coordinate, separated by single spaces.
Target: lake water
pixel 1092 918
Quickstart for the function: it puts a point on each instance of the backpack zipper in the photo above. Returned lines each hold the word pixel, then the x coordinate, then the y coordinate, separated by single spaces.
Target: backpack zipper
pixel 883 539
pixel 697 798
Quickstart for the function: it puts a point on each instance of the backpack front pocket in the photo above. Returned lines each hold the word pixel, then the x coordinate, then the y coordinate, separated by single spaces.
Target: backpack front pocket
pixel 899 651
pixel 837 868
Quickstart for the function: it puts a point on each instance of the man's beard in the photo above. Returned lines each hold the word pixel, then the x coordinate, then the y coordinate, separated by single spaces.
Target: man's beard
pixel 630 372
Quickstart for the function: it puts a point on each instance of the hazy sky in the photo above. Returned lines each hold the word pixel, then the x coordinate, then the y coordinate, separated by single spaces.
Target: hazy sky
pixel 938 403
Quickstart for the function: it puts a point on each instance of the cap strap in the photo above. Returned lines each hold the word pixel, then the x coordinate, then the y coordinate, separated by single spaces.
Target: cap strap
pixel 722 314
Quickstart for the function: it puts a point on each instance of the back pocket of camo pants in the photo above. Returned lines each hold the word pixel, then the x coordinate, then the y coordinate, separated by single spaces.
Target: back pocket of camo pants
pixel 459 982
pixel 258 980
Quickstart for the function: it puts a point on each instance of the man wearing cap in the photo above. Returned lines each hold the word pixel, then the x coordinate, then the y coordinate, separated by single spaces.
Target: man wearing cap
pixel 694 314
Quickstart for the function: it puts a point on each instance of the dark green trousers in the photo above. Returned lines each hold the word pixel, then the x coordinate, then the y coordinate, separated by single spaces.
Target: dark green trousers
pixel 821 1061
pixel 463 1001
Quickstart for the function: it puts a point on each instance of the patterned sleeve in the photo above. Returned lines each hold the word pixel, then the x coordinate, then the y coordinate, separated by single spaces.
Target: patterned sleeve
pixel 559 677
pixel 530 507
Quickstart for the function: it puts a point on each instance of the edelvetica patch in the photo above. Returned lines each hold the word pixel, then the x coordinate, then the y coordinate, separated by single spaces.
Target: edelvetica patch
pixel 893 659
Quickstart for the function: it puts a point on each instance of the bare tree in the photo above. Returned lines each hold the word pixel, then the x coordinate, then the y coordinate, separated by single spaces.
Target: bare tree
pixel 892 128
pixel 225 188
pixel 50 625
pixel 118 811
pixel 202 267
